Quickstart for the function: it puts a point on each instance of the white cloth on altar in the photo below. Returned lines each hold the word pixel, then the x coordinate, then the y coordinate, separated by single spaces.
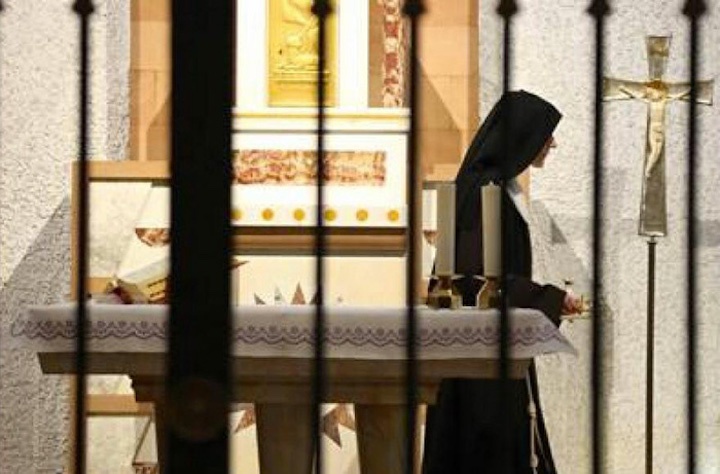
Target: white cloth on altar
pixel 288 331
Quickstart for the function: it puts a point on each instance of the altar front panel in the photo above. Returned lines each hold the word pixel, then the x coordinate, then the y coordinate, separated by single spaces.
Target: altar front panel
pixel 358 281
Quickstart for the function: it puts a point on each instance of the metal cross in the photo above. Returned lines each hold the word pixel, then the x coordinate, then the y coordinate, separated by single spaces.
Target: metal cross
pixel 657 93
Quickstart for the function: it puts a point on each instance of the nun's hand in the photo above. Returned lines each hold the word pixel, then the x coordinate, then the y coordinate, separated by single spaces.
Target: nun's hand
pixel 572 304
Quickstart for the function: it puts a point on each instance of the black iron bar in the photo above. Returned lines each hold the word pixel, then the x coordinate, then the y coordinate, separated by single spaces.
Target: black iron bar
pixel 694 10
pixel 198 368
pixel 599 9
pixel 507 10
pixel 83 8
pixel 322 9
pixel 412 9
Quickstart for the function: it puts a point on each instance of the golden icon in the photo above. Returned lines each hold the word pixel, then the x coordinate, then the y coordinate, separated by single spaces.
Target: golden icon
pixel 293 57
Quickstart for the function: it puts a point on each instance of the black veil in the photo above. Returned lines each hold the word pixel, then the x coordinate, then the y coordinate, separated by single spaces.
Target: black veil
pixel 526 121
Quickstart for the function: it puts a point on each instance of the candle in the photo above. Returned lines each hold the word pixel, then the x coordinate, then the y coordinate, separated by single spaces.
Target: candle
pixel 445 256
pixel 429 209
pixel 491 232
pixel 235 264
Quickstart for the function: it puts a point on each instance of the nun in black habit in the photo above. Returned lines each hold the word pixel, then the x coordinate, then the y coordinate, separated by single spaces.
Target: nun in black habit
pixel 463 431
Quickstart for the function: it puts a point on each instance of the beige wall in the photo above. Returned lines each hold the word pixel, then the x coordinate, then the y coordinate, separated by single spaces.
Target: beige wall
pixel 449 80
pixel 449 84
pixel 150 80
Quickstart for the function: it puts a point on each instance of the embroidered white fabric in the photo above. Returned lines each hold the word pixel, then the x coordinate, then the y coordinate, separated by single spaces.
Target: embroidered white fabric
pixel 287 331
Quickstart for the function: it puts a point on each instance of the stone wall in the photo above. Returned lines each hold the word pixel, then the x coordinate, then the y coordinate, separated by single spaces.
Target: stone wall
pixel 38 140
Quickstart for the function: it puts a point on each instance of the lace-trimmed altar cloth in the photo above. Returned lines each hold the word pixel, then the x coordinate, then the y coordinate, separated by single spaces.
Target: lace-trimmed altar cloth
pixel 287 331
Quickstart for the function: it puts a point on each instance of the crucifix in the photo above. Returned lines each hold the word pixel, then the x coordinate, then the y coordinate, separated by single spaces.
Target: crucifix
pixel 657 93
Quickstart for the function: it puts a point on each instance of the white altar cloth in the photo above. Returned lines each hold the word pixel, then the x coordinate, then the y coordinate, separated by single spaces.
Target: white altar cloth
pixel 369 333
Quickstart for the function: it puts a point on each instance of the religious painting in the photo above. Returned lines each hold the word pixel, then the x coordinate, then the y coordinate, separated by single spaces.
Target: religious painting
pixel 275 178
pixel 294 54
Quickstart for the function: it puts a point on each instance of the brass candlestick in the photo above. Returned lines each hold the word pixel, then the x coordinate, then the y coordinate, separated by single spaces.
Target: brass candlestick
pixel 445 294
pixel 489 295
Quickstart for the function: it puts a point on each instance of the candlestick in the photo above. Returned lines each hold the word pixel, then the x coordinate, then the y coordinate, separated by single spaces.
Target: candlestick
pixel 444 294
pixel 489 294
pixel 445 255
pixel 491 229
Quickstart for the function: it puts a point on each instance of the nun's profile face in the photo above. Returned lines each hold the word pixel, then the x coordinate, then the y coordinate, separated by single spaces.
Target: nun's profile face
pixel 539 160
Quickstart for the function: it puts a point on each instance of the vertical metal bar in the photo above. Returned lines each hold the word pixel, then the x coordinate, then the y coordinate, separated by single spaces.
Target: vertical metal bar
pixel 197 388
pixel 650 363
pixel 322 9
pixel 84 8
pixel 599 9
pixel 506 9
pixel 412 9
pixel 693 9
pixel 2 7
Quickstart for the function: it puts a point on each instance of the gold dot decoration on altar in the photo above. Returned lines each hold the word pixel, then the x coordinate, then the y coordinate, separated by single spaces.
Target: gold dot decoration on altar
pixel 299 215
pixel 393 215
pixel 236 214
pixel 268 214
pixel 330 215
pixel 362 215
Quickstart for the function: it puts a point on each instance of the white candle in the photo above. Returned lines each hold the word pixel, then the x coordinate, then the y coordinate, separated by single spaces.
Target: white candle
pixel 445 256
pixel 429 209
pixel 491 232
pixel 234 286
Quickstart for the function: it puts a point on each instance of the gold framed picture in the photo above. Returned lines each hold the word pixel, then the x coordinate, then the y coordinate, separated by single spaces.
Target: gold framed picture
pixel 294 55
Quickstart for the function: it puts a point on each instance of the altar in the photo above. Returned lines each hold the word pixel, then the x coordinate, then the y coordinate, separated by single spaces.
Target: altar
pixel 274 209
pixel 272 364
